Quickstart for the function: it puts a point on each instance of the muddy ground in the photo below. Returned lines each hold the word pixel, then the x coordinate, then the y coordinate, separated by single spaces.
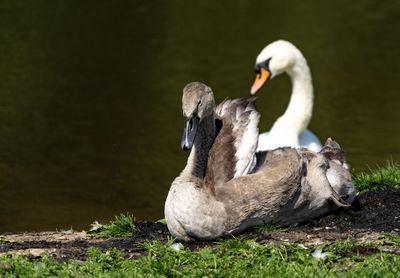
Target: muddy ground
pixel 374 214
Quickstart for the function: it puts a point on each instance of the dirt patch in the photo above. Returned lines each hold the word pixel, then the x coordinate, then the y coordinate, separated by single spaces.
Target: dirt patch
pixel 373 214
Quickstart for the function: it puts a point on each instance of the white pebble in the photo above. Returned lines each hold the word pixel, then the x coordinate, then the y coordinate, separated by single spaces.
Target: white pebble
pixel 318 254
pixel 176 246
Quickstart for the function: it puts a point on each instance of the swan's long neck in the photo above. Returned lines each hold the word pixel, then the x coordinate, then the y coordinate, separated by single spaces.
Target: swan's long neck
pixel 299 111
pixel 197 162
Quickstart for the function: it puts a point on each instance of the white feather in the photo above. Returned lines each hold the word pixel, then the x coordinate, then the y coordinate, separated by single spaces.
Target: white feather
pixel 246 147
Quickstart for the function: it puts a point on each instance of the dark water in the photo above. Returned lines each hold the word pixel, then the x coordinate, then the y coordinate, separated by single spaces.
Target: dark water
pixel 90 117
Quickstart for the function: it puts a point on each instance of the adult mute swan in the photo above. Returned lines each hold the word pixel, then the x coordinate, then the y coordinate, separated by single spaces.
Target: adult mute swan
pixel 291 128
pixel 225 187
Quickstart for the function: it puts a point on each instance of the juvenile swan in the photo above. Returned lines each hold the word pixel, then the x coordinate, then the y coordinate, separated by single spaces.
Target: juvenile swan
pixel 225 189
pixel 291 128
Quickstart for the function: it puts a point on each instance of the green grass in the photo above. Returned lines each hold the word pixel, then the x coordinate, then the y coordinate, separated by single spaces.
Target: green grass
pixel 232 257
pixel 379 178
pixel 269 227
pixel 162 221
pixel 123 225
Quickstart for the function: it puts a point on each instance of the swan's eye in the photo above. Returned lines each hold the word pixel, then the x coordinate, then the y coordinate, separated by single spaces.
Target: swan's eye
pixel 265 64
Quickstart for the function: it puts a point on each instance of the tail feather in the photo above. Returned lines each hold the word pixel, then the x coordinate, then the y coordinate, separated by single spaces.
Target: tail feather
pixel 333 152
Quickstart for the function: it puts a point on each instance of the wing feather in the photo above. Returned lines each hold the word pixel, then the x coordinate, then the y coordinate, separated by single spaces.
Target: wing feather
pixel 240 120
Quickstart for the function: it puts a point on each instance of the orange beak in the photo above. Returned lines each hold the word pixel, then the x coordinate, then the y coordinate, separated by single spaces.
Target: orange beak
pixel 261 78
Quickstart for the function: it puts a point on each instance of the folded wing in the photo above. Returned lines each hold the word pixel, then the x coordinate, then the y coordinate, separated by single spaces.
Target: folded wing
pixel 233 151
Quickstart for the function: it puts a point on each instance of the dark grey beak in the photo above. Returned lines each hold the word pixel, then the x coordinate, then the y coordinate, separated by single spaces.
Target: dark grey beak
pixel 189 132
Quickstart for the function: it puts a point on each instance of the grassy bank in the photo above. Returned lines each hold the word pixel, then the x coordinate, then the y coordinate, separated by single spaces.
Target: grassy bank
pixel 378 178
pixel 232 257
pixel 236 257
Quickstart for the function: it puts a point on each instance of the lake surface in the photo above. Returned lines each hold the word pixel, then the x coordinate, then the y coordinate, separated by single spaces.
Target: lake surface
pixel 90 93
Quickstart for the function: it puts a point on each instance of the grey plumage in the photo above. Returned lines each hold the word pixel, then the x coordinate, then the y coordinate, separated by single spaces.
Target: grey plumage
pixel 224 189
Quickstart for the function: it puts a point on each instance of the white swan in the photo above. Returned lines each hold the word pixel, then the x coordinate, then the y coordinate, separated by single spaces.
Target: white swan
pixel 290 129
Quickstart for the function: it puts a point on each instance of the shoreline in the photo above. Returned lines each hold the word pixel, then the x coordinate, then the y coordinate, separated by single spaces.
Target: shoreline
pixel 378 214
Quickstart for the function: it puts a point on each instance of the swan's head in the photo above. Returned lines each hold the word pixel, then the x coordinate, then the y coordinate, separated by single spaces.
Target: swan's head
pixel 276 58
pixel 197 104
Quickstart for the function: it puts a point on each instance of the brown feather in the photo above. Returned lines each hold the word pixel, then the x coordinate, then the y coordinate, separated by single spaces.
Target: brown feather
pixel 332 150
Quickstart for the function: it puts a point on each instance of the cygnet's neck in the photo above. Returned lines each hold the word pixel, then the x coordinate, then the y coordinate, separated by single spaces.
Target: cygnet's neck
pixel 197 162
pixel 299 111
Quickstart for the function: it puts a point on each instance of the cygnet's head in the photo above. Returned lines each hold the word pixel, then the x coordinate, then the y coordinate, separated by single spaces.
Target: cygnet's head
pixel 197 104
pixel 277 57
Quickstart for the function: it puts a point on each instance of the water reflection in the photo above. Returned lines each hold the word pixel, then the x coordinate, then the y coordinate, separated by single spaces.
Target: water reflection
pixel 90 93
